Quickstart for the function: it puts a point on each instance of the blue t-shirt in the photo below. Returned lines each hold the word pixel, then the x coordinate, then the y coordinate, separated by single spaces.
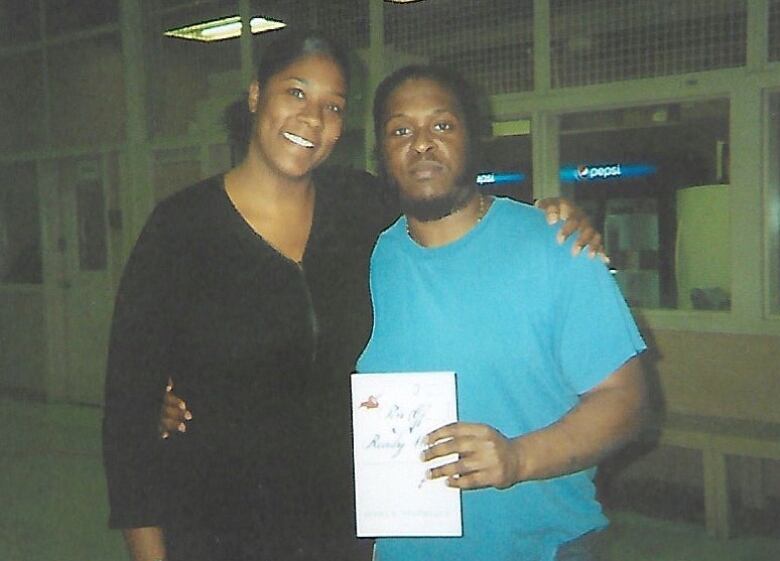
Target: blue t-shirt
pixel 528 329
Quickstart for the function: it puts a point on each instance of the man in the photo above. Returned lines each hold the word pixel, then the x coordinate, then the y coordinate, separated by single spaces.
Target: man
pixel 544 346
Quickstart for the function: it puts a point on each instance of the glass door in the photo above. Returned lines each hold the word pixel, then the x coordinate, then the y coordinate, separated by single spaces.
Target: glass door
pixel 84 232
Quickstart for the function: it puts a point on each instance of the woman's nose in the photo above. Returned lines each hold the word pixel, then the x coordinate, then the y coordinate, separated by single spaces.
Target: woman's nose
pixel 312 114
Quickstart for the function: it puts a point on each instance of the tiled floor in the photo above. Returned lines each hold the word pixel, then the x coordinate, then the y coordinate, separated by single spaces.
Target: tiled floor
pixel 53 507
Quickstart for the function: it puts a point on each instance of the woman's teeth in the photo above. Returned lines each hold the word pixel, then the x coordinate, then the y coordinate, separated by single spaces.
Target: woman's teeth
pixel 300 141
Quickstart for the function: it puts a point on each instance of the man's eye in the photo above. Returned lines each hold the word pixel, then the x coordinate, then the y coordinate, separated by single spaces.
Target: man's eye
pixel 296 92
pixel 400 131
pixel 443 126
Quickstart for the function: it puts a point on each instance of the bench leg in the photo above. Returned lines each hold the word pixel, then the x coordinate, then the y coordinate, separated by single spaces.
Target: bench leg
pixel 716 495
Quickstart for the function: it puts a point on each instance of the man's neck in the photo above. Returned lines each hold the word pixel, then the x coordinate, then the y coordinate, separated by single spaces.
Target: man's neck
pixel 436 233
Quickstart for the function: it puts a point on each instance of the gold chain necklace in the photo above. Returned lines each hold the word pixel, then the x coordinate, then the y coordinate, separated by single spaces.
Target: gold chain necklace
pixel 480 215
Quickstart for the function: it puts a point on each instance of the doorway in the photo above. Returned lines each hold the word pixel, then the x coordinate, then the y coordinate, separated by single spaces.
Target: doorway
pixel 83 238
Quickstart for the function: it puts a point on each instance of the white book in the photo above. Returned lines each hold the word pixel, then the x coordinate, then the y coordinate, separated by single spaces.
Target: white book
pixel 391 414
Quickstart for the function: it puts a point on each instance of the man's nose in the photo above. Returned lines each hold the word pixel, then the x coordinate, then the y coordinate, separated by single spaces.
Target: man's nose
pixel 422 142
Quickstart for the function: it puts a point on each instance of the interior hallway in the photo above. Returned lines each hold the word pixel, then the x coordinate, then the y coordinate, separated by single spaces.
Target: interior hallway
pixel 53 506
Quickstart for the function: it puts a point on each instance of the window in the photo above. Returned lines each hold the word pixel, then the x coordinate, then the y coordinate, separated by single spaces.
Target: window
pixel 64 16
pixel 87 91
pixel 20 230
pixel 21 22
pixel 21 102
pixel 191 83
pixel 506 167
pixel 175 169
pixel 91 219
pixel 655 179
pixel 598 41
pixel 490 42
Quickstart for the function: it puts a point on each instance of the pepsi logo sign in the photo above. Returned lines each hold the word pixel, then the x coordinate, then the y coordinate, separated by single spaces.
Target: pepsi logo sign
pixel 598 172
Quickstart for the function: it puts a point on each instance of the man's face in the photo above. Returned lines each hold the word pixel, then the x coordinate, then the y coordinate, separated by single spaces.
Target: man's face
pixel 424 145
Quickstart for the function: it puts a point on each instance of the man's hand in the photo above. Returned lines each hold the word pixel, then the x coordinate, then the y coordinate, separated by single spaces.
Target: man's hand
pixel 575 220
pixel 486 457
pixel 173 413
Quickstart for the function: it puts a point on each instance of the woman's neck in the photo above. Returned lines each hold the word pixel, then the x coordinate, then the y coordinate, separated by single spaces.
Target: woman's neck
pixel 280 211
pixel 266 187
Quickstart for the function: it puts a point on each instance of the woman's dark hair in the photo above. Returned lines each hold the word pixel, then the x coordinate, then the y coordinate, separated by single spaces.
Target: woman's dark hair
pixel 294 45
pixel 278 55
pixel 465 95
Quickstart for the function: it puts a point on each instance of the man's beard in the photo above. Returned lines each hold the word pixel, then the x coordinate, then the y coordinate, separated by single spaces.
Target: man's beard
pixel 437 207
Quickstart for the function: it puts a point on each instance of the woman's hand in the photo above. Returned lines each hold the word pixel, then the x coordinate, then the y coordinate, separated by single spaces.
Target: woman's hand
pixel 173 413
pixel 576 220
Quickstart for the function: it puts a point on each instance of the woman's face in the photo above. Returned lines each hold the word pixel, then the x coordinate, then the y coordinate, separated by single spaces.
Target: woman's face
pixel 299 116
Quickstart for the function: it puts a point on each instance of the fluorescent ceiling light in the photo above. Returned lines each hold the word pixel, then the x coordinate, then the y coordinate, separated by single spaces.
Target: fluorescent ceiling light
pixel 225 28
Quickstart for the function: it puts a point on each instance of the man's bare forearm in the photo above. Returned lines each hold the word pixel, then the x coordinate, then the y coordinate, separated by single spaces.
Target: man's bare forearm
pixel 606 418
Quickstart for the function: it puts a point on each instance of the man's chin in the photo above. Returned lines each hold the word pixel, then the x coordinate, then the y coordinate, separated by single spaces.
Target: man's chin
pixel 435 208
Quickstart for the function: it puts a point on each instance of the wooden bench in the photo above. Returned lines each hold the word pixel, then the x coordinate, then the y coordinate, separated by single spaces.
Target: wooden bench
pixel 716 438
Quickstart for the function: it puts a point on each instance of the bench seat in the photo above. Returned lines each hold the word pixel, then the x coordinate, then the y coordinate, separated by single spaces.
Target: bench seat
pixel 716 438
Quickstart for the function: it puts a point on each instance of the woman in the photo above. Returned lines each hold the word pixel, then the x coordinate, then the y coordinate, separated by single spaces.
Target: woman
pixel 250 291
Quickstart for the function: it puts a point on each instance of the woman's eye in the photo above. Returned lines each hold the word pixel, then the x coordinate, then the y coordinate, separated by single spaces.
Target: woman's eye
pixel 296 92
pixel 335 108
pixel 443 127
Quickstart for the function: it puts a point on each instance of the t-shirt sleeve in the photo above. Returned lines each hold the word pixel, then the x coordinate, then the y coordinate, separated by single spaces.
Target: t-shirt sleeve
pixel 136 375
pixel 596 332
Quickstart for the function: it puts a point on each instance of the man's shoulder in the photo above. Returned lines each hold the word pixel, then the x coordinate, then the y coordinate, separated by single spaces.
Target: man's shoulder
pixel 520 224
pixel 393 237
pixel 516 211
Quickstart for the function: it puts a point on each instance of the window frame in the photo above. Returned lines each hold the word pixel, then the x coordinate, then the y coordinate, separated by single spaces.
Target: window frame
pixel 744 92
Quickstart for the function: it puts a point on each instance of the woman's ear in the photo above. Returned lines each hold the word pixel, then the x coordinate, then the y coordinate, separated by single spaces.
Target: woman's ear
pixel 254 96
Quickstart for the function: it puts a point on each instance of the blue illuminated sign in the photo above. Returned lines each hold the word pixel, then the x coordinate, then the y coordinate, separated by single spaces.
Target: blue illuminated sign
pixel 498 178
pixel 580 173
pixel 604 172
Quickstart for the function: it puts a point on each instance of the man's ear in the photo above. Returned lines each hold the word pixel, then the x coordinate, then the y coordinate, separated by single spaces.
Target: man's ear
pixel 253 98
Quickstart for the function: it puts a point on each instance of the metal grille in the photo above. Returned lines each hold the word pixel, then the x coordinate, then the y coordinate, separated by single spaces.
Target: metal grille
pixel 347 20
pixel 490 42
pixel 597 41
pixel 20 22
pixel 774 30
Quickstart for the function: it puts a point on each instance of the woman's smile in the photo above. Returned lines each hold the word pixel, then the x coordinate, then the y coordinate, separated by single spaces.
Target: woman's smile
pixel 298 140
pixel 299 116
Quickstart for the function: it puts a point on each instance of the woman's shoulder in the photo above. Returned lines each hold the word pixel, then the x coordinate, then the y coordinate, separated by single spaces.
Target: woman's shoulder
pixel 188 209
pixel 198 196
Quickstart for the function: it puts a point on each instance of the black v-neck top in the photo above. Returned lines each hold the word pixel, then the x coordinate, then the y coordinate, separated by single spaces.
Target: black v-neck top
pixel 261 348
